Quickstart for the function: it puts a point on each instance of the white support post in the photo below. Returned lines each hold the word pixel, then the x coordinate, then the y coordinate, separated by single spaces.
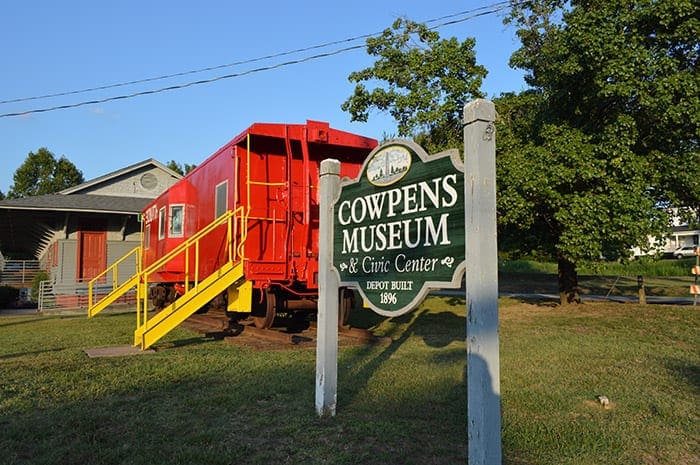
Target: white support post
pixel 327 326
pixel 483 373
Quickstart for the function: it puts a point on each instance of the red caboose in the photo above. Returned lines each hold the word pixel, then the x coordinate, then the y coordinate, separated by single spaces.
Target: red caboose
pixel 266 181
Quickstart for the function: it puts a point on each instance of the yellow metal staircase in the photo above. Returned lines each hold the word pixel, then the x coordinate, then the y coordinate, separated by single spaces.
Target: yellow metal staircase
pixel 171 316
pixel 197 292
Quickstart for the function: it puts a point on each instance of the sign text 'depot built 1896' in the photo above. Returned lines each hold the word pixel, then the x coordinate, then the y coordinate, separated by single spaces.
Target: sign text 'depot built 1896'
pixel 399 227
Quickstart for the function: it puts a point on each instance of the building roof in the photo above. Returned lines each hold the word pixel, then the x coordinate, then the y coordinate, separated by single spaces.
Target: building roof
pixel 28 224
pixel 77 202
pixel 107 178
pixel 75 199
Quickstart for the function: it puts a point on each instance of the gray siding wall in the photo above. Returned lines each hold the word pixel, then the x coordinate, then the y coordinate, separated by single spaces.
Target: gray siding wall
pixel 144 183
pixel 115 251
pixel 66 270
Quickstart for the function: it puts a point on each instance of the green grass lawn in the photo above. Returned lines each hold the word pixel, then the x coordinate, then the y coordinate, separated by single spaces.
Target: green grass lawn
pixel 198 400
pixel 665 278
pixel 646 266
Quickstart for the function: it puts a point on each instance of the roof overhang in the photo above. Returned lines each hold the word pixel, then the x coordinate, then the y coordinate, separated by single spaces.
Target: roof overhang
pixel 28 225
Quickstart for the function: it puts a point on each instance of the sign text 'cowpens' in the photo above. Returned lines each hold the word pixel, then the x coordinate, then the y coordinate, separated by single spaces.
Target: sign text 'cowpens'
pixel 399 227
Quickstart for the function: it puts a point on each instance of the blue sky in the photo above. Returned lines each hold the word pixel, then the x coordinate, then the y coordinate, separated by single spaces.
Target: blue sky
pixel 52 47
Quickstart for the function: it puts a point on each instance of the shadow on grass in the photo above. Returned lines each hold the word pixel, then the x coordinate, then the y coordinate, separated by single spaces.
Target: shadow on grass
pixel 23 320
pixel 189 342
pixel 685 372
pixel 35 352
pixel 15 320
pixel 440 329
pixel 243 414
pixel 435 330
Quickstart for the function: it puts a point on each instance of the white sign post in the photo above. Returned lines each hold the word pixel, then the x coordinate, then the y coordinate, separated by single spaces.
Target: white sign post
pixel 327 325
pixel 483 373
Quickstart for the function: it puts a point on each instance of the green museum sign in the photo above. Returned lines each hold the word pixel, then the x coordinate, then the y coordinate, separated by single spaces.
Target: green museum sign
pixel 399 227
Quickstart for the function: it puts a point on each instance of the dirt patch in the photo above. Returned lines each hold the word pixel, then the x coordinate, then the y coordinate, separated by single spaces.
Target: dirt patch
pixel 282 336
pixel 116 351
pixel 282 339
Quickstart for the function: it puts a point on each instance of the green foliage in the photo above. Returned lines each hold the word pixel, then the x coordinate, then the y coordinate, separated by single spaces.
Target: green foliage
pixel 422 81
pixel 8 295
pixel 41 173
pixel 624 72
pixel 640 266
pixel 590 156
pixel 180 168
pixel 609 133
pixel 563 195
pixel 36 282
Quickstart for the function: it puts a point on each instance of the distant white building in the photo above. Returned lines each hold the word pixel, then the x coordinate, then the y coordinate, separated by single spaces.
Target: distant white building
pixel 681 235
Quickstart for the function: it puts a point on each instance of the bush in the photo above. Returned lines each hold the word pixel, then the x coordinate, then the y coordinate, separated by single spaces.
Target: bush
pixel 8 296
pixel 40 276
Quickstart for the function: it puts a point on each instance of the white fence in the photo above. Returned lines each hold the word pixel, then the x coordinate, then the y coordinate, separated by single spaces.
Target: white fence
pixel 54 296
pixel 18 273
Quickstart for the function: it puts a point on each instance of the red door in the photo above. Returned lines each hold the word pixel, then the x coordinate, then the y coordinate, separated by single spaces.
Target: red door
pixel 92 254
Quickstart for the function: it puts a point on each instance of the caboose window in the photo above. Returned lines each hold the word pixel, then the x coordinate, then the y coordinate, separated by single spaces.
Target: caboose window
pixel 221 204
pixel 161 223
pixel 177 213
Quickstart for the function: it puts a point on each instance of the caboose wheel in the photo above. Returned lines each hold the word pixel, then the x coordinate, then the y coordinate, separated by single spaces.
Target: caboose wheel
pixel 264 312
pixel 344 306
pixel 161 295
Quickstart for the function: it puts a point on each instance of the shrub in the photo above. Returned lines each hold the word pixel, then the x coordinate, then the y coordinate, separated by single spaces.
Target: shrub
pixel 38 278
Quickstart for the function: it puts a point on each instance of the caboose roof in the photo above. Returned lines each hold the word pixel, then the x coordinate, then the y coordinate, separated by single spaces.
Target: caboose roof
pixel 316 131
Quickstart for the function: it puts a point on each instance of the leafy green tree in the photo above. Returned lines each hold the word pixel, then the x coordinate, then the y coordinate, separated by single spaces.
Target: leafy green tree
pixel 422 81
pixel 179 168
pixel 561 196
pixel 607 136
pixel 2 195
pixel 41 173
pixel 590 156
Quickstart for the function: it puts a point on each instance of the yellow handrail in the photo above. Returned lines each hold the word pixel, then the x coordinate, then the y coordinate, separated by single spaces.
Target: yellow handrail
pixel 115 275
pixel 264 183
pixel 185 247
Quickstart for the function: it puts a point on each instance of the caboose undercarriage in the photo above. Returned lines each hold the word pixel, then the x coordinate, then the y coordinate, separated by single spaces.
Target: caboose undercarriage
pixel 262 306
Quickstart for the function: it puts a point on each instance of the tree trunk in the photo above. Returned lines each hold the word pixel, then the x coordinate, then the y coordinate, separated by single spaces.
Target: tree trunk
pixel 568 282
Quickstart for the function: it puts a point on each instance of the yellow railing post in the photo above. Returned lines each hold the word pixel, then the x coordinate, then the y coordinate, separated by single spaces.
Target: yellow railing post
pixel 138 304
pixel 228 239
pixel 144 296
pixel 187 270
pixel 196 261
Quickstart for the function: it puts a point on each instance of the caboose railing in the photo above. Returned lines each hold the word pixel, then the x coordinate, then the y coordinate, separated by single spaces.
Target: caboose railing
pixel 236 232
